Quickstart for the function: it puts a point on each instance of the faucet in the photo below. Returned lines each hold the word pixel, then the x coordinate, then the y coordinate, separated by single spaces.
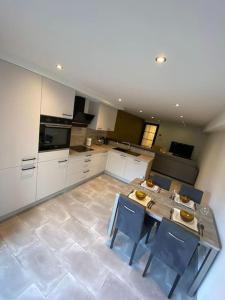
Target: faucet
pixel 128 144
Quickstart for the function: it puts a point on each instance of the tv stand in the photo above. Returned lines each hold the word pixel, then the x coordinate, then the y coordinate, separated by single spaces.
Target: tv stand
pixel 182 169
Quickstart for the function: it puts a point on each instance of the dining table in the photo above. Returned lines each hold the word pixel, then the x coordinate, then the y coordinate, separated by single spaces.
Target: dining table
pixel 163 206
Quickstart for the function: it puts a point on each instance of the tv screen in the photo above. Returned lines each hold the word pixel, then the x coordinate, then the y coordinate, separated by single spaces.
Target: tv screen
pixel 181 150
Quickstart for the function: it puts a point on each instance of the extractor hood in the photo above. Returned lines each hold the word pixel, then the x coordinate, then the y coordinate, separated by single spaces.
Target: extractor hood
pixel 80 118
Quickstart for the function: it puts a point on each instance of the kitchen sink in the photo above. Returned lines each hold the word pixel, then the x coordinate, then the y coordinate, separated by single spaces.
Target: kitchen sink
pixel 127 151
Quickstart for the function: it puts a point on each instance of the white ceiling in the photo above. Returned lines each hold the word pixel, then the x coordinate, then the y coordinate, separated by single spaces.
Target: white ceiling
pixel 108 48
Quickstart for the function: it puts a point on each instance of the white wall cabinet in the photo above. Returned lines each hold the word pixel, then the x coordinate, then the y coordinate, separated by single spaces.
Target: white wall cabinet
pixel 19 114
pixel 57 99
pixel 51 176
pixel 105 116
pixel 126 167
pixel 17 187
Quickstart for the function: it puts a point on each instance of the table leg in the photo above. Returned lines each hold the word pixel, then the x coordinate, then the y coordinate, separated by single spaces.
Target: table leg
pixel 199 277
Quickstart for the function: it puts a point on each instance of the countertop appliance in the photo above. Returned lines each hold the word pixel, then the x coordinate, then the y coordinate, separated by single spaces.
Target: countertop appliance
pixel 80 118
pixel 54 133
pixel 81 148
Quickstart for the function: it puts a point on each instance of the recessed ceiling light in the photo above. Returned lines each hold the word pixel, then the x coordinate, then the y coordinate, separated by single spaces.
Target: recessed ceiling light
pixel 140 111
pixel 160 59
pixel 177 105
pixel 119 99
pixel 181 116
pixel 59 67
pixel 153 117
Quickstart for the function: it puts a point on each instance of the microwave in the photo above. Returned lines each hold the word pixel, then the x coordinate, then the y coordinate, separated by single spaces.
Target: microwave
pixel 54 133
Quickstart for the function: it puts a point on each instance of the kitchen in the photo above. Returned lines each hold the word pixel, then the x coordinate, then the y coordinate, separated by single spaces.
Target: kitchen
pixel 93 149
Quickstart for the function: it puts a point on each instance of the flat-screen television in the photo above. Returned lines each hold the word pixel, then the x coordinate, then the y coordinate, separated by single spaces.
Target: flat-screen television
pixel 182 150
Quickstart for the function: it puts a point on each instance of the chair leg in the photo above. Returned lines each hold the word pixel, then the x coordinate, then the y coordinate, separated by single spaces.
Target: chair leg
pixel 147 236
pixel 147 265
pixel 113 238
pixel 174 286
pixel 132 254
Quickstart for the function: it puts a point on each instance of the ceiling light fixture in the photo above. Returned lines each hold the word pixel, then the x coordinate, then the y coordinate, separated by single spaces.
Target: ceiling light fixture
pixel 160 59
pixel 177 105
pixel 181 117
pixel 153 117
pixel 59 67
pixel 140 111
pixel 119 99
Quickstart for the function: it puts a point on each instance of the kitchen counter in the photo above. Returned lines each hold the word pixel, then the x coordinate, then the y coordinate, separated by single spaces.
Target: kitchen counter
pixel 105 148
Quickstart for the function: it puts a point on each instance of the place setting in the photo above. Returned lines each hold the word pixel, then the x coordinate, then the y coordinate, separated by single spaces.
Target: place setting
pixel 183 200
pixel 149 185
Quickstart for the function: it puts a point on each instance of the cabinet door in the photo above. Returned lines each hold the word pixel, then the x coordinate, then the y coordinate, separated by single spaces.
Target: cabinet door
pixel 19 114
pixel 116 163
pixel 57 99
pixel 51 177
pixel 105 117
pixel 76 171
pixel 17 188
pixel 98 163
pixel 135 168
pixel 110 120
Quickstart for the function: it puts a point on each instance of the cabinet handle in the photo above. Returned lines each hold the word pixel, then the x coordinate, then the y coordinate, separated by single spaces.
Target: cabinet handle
pixel 86 171
pixel 25 169
pixel 62 161
pixel 67 115
pixel 88 155
pixel 122 155
pixel 137 160
pixel 28 159
pixel 87 160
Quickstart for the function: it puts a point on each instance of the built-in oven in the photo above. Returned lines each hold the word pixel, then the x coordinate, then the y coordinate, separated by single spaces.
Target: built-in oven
pixel 54 133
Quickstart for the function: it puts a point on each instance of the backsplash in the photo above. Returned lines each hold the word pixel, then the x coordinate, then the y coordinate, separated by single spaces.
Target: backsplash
pixel 79 135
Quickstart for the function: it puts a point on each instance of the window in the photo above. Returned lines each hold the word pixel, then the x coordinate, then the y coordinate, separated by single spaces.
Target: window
pixel 149 135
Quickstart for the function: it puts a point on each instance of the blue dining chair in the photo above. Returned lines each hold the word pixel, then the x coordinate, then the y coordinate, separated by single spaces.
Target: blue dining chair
pixel 191 192
pixel 174 245
pixel 131 220
pixel 161 181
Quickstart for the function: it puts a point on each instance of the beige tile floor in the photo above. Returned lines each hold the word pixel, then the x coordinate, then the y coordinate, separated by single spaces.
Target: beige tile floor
pixel 59 250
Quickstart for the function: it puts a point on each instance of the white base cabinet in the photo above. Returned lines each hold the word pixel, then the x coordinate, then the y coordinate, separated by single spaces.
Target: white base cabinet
pixel 116 163
pixel 52 170
pixel 85 166
pixel 18 188
pixel 135 168
pixel 51 177
pixel 126 167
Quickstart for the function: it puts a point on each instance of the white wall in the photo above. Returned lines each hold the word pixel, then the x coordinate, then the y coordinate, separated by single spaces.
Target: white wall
pixel 192 135
pixel 212 180
pixel 217 123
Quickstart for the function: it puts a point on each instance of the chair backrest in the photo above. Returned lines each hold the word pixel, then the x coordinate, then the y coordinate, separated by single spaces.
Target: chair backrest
pixel 162 182
pixel 130 217
pixel 174 245
pixel 193 193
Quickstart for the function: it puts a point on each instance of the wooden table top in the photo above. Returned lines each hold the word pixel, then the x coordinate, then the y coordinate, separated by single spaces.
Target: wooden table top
pixel 162 208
